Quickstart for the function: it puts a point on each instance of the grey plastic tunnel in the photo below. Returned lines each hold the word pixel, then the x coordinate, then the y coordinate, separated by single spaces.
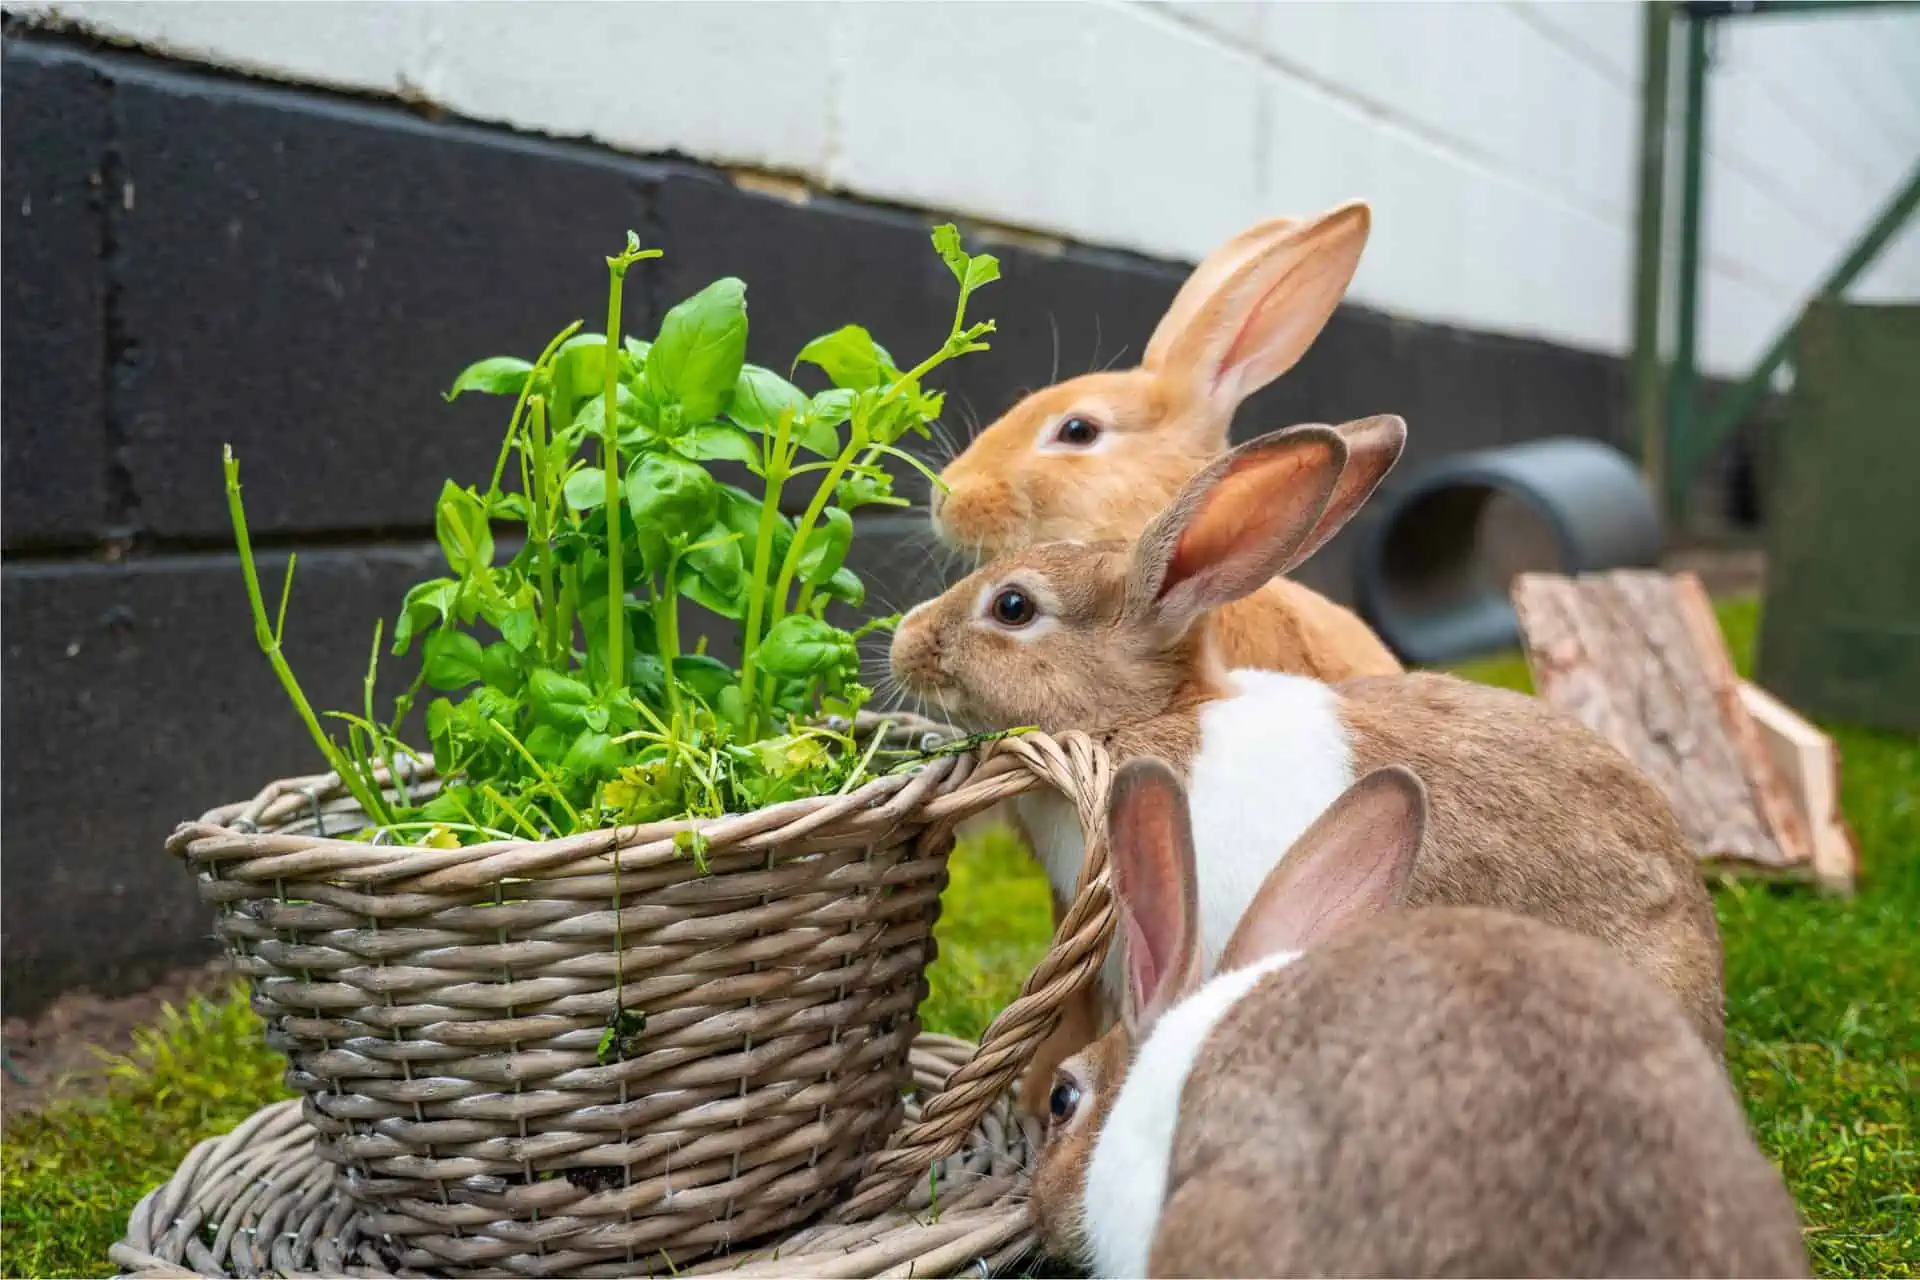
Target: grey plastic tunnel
pixel 1424 580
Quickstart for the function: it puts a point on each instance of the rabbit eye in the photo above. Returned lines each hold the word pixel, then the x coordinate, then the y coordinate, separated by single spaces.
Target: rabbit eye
pixel 1012 607
pixel 1063 1101
pixel 1077 431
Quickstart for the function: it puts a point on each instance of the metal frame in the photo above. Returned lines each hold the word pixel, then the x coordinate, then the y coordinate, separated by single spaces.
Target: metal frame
pixel 1676 436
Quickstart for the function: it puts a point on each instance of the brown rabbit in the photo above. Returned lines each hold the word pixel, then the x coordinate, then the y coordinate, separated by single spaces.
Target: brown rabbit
pixel 1096 457
pixel 1366 1091
pixel 1532 811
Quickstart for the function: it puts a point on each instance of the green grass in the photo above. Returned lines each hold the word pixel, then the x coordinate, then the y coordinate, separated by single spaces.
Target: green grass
pixel 1823 1006
pixel 1823 1038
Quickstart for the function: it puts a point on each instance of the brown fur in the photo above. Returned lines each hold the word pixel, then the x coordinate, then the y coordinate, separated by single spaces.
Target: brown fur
pixel 1508 777
pixel 1062 1171
pixel 1532 811
pixel 1251 308
pixel 1464 1093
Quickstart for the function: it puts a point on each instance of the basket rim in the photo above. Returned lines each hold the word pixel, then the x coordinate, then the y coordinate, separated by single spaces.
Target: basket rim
pixel 236 828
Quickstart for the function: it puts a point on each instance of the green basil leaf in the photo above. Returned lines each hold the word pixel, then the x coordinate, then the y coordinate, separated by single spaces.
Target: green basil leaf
pixel 591 421
pixel 593 756
pixel 740 513
pixel 558 699
pixel 494 376
pixel 760 396
pixel 519 628
pixel 845 585
pixel 499 668
pixel 831 409
pixel 452 660
pixel 547 744
pixel 715 440
pixel 586 489
pixel 850 357
pixel 425 604
pixel 705 676
pixel 460 523
pixel 982 268
pixel 509 506
pixel 670 494
pixel 578 370
pixel 946 243
pixel 826 548
pixel 864 489
pixel 701 348
pixel 440 716
pixel 800 646
pixel 714 575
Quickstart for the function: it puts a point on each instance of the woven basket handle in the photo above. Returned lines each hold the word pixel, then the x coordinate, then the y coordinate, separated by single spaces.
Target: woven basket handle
pixel 1077 767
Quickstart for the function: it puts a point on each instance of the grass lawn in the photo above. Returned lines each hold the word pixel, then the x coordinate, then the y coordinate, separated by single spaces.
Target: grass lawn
pixel 1823 1025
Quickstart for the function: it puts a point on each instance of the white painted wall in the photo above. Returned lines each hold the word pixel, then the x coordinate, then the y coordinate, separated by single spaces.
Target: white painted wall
pixel 1497 140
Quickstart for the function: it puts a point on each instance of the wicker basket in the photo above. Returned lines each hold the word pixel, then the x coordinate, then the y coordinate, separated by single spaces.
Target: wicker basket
pixel 443 1011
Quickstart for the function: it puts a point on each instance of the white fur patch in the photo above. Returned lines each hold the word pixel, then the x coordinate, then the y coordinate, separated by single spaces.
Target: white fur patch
pixel 1272 758
pixel 1127 1177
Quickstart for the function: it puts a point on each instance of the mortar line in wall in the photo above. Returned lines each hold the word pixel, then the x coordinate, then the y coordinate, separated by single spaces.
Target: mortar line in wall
pixel 1819 136
pixel 117 196
pixel 1383 118
pixel 1528 11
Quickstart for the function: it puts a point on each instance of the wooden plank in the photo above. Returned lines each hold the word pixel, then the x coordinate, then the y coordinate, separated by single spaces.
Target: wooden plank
pixel 1628 655
pixel 1777 806
pixel 1809 764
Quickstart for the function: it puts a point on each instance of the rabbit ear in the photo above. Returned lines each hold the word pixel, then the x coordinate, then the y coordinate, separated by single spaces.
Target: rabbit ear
pixel 1205 282
pixel 1373 446
pixel 1351 864
pixel 1150 838
pixel 1265 313
pixel 1235 525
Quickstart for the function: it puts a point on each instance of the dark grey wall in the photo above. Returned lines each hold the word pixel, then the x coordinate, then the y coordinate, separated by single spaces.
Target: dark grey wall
pixel 192 260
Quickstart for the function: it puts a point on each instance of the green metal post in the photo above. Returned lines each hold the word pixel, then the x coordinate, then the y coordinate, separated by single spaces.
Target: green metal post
pixel 1738 403
pixel 1680 386
pixel 1656 39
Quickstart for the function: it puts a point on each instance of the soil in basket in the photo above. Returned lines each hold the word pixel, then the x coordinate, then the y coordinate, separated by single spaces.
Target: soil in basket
pixel 59 1051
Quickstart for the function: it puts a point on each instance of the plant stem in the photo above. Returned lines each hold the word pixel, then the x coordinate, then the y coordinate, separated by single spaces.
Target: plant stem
pixel 610 456
pixel 666 625
pixel 506 446
pixel 776 476
pixel 542 532
pixel 362 789
pixel 808 518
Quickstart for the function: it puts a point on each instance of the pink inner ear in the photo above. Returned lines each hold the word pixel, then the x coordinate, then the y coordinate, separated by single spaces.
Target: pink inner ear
pixel 1239 508
pixel 1238 352
pixel 1143 969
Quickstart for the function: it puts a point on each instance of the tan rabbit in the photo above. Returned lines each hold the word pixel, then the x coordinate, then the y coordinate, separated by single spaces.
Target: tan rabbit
pixel 1532 812
pixel 1367 1091
pixel 1096 457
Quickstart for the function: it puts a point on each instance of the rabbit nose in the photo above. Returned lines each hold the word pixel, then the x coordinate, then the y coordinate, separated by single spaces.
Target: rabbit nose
pixel 914 650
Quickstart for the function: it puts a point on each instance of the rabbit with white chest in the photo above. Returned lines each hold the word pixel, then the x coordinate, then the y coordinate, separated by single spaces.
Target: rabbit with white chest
pixel 1532 812
pixel 1368 1091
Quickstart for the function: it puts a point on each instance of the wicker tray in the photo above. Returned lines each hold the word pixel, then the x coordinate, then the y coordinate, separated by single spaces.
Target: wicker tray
pixel 261 1201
